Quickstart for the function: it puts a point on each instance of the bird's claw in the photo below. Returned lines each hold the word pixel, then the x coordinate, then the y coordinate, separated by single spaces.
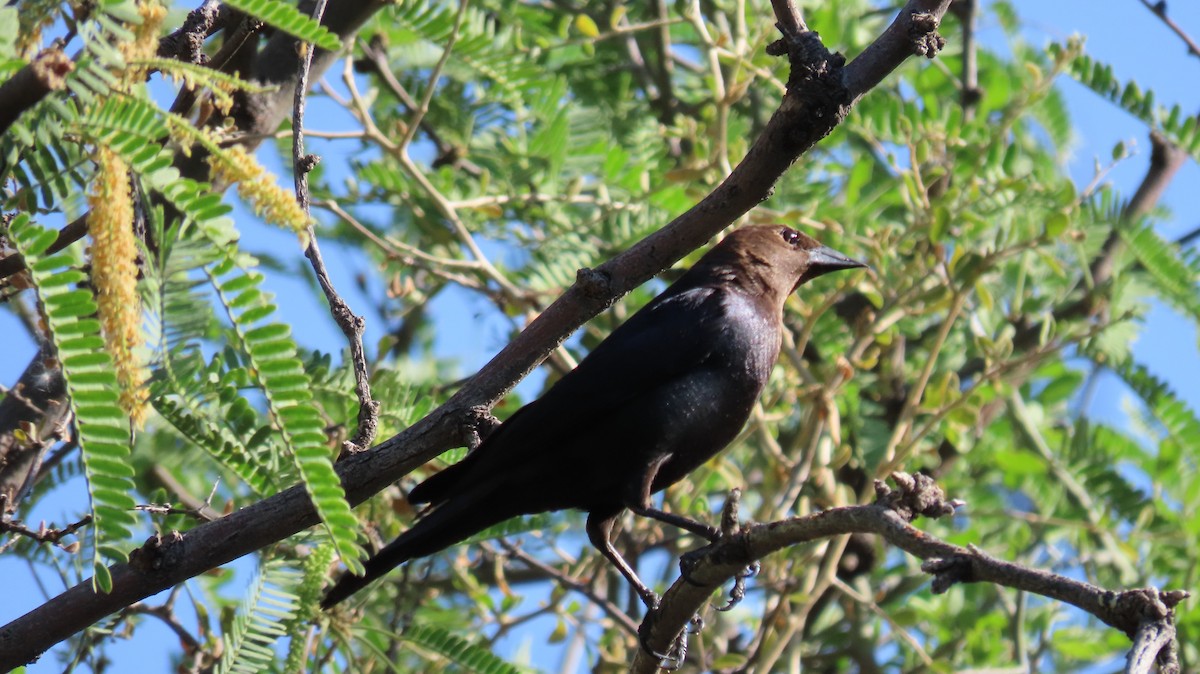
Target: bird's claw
pixel 688 562
pixel 738 592
pixel 666 660
pixel 677 653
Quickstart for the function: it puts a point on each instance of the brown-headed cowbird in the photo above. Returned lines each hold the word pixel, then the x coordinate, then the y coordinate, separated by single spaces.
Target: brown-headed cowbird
pixel 665 392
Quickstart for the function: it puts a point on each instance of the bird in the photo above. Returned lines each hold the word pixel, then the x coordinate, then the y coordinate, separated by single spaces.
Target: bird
pixel 666 391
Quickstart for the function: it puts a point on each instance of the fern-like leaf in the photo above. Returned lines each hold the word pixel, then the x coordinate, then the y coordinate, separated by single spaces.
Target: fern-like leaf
pixel 1174 275
pixel 268 606
pixel 104 436
pixel 1182 130
pixel 135 129
pixel 315 568
pixel 287 18
pixel 1177 419
pixel 273 363
pixel 461 652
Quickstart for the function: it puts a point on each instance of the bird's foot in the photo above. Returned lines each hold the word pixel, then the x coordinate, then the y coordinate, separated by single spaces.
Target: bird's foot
pixel 688 562
pixel 649 597
pixel 677 653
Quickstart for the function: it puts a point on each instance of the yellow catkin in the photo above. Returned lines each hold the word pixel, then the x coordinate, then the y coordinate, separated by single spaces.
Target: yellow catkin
pixel 270 201
pixel 145 41
pixel 114 275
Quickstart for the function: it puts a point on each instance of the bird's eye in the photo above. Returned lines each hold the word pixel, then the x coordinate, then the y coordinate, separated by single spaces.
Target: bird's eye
pixel 791 236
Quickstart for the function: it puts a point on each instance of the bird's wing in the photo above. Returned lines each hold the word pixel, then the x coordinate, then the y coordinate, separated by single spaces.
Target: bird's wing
pixel 657 345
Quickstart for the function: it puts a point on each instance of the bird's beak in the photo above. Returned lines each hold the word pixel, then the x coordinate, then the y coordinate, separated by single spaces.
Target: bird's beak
pixel 823 260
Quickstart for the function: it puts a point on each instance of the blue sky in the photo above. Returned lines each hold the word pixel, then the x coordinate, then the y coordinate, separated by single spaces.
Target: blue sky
pixel 1124 34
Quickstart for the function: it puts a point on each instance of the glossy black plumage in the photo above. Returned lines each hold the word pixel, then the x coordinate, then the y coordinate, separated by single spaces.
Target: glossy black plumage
pixel 666 391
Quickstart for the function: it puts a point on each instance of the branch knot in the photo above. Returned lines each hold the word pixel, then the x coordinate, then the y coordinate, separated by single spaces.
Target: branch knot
pixel 915 495
pixel 593 283
pixel 158 553
pixel 925 39
pixel 477 425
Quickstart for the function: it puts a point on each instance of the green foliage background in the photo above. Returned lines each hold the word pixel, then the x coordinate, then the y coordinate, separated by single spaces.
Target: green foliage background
pixel 966 352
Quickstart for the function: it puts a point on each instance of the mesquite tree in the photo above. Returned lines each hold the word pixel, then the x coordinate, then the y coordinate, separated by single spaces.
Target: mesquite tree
pixel 536 166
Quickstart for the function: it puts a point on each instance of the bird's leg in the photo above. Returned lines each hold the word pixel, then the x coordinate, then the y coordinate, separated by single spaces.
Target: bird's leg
pixel 599 528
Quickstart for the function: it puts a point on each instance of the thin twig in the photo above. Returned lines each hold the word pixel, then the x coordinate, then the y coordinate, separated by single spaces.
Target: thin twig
pixel 351 324
pixel 44 534
pixel 904 421
pixel 166 614
pixel 969 94
pixel 1159 9
pixel 613 611
pixel 719 93
pixel 899 630
pixel 446 151
pixel 422 108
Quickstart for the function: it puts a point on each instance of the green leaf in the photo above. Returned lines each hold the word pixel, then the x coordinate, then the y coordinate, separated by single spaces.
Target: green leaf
pixel 289 19
pixel 1056 224
pixel 273 363
pixel 104 437
pixel 457 650
pixel 586 25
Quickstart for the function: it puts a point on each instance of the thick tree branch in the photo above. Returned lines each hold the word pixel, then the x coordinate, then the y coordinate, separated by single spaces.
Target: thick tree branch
pixel 187 43
pixel 47 72
pixel 1165 161
pixel 820 93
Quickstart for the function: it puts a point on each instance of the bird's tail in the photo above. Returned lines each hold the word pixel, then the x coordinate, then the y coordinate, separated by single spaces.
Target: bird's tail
pixel 449 523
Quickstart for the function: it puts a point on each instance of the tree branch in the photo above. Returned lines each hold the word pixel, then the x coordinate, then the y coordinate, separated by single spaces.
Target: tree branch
pixel 47 72
pixel 1159 9
pixel 1133 611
